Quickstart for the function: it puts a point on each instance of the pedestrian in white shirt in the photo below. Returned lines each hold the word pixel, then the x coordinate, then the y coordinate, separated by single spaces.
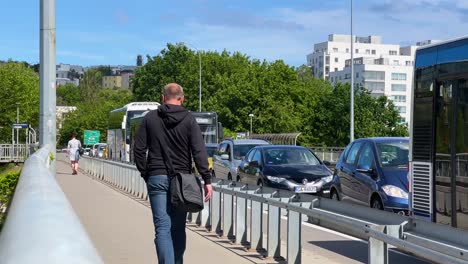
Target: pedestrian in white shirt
pixel 73 146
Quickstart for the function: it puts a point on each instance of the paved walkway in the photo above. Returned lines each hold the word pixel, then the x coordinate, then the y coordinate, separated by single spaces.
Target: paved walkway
pixel 121 227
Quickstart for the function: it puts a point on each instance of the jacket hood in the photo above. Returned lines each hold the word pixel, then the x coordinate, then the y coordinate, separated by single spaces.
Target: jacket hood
pixel 172 114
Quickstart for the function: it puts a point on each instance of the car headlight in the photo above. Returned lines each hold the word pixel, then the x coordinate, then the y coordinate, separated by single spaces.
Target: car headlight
pixel 394 191
pixel 327 179
pixel 275 179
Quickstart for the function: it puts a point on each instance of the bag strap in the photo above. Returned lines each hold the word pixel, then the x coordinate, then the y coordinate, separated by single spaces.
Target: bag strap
pixel 165 148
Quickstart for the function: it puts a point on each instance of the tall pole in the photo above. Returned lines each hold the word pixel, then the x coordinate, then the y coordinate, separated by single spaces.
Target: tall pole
pixel 352 79
pixel 47 111
pixel 199 79
pixel 251 118
pixel 17 121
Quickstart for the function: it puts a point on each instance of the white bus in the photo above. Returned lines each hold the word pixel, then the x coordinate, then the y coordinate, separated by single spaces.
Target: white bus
pixel 118 133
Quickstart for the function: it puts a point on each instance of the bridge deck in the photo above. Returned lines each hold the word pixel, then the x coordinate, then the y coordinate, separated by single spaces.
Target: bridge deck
pixel 121 227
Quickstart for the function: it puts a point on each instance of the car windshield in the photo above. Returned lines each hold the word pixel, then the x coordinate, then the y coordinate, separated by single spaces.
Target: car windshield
pixel 393 154
pixel 286 156
pixel 241 150
pixel 211 151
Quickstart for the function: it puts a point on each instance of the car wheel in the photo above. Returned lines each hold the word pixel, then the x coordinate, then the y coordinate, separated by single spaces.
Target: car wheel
pixel 334 195
pixel 377 203
pixel 229 177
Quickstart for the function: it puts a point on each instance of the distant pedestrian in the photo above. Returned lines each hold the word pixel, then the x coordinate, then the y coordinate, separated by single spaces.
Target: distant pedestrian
pixel 73 152
pixel 185 140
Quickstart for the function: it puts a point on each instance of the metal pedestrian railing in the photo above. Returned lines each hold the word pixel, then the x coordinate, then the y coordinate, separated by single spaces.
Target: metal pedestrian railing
pixel 237 212
pixel 13 152
pixel 331 154
pixel 41 226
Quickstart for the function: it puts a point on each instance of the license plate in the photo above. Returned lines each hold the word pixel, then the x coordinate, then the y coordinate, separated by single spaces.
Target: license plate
pixel 305 189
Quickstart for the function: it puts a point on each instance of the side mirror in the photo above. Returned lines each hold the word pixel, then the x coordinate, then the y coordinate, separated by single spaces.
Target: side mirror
pixel 326 163
pixel 253 164
pixel 365 169
pixel 224 156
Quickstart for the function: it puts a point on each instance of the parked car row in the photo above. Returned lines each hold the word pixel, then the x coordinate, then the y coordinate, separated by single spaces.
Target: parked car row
pixel 370 171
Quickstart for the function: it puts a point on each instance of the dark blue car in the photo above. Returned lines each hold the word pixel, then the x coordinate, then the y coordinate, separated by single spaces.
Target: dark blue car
pixel 293 168
pixel 373 172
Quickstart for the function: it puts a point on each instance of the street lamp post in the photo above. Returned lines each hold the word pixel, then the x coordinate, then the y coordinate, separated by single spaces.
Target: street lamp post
pixel 251 117
pixel 17 121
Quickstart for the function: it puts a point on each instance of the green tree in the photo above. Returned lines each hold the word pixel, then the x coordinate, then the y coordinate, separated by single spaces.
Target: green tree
pixel 93 115
pixel 282 98
pixel 90 85
pixel 68 95
pixel 18 84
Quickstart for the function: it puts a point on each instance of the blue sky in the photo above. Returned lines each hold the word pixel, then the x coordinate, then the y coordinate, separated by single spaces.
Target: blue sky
pixel 93 32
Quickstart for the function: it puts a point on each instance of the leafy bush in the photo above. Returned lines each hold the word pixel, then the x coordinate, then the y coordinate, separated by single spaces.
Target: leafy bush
pixel 8 181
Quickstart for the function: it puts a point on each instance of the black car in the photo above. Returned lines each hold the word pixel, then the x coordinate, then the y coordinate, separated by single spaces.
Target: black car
pixel 291 168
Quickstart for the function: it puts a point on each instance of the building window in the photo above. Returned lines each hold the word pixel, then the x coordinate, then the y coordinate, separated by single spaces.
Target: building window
pixel 367 51
pixel 335 49
pixel 399 76
pixel 409 63
pixel 375 87
pixel 401 109
pixel 327 70
pixel 331 79
pixel 347 50
pixel 356 50
pixel 393 52
pixel 336 59
pixel 336 69
pixel 373 52
pixel 398 98
pixel 374 75
pixel 347 76
pixel 327 60
pixel 357 74
pixel 398 87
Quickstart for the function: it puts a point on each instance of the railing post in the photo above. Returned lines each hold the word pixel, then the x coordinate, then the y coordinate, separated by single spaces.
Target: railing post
pixel 274 241
pixel 294 238
pixel 216 212
pixel 241 220
pixel 378 251
pixel 227 216
pixel 256 226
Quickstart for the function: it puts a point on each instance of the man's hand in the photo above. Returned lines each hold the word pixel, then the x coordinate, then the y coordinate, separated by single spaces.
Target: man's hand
pixel 208 192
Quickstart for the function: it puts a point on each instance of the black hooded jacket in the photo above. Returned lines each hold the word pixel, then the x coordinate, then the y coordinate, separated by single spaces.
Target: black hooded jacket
pixel 184 140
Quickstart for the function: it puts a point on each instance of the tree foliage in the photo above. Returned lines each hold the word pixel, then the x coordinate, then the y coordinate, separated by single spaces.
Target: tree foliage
pixel 93 115
pixel 18 84
pixel 90 85
pixel 68 95
pixel 283 99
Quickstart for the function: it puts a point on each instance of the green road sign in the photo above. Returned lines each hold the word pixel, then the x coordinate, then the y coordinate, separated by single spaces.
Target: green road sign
pixel 91 137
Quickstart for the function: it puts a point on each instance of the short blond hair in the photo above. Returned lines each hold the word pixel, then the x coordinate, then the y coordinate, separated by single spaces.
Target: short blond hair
pixel 173 91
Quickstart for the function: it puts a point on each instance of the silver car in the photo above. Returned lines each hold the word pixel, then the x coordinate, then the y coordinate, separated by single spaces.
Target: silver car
pixel 230 154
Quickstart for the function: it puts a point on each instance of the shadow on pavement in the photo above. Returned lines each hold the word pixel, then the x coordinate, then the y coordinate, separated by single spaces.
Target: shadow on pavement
pixel 358 251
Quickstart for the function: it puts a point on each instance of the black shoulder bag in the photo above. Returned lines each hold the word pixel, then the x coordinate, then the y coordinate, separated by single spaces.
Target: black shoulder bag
pixel 185 189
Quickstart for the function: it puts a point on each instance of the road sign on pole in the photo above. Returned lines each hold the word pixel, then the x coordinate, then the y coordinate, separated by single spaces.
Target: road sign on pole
pixel 91 137
pixel 20 125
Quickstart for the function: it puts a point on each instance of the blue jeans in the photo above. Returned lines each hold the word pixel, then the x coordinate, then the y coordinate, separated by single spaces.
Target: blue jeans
pixel 169 223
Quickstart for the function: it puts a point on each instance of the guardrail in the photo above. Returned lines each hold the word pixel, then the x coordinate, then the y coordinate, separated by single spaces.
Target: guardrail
pixel 13 152
pixel 228 211
pixel 41 226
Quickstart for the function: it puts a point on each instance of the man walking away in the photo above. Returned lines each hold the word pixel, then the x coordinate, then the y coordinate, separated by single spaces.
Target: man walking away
pixel 185 140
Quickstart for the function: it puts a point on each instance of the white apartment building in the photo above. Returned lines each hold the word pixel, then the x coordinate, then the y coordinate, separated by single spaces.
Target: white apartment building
pixel 383 69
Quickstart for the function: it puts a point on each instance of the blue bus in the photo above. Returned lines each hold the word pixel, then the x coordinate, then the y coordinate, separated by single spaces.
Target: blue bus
pixel 439 134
